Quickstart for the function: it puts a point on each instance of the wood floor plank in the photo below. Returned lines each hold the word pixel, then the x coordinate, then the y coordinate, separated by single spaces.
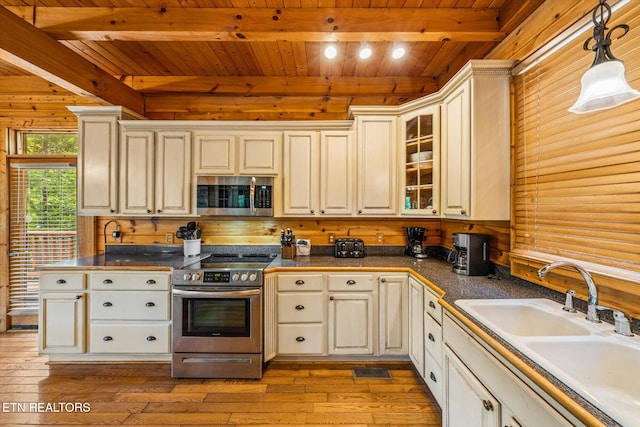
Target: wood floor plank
pixel 291 394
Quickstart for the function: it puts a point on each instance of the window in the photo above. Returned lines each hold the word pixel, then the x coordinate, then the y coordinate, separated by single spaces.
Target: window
pixel 42 214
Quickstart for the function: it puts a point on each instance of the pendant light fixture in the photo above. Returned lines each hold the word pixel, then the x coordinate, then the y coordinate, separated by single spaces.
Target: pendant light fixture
pixel 603 85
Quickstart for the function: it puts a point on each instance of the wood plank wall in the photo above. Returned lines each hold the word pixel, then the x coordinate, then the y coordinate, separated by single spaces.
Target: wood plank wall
pixel 221 231
pixel 4 229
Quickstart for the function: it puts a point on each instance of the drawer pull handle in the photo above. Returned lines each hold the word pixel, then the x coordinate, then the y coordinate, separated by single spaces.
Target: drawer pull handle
pixel 487 405
pixel 107 281
pixel 151 338
pixel 431 337
pixel 151 282
pixel 433 377
pixel 299 307
pixel 150 304
pixel 107 338
pixel 107 304
pixel 352 282
pixel 300 339
pixel 61 282
pixel 432 304
pixel 299 282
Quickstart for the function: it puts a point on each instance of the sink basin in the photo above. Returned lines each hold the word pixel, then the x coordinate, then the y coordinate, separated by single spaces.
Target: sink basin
pixel 601 366
pixel 604 371
pixel 525 317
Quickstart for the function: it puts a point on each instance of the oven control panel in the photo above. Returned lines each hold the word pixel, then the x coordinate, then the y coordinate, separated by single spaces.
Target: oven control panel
pixel 218 277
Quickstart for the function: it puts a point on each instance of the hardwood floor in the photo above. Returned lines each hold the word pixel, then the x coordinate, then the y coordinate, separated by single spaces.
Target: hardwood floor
pixel 291 394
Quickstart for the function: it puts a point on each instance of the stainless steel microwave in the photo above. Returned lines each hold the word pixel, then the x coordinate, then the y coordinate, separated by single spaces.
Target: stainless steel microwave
pixel 235 196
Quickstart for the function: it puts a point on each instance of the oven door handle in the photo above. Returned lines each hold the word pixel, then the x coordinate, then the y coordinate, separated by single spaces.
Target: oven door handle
pixel 217 293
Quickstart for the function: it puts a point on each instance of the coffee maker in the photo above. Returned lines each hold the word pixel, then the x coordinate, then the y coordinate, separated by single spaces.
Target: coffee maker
pixel 415 235
pixel 471 254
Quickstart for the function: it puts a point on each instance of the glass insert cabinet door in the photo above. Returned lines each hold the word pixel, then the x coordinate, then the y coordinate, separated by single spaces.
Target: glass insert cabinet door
pixel 421 145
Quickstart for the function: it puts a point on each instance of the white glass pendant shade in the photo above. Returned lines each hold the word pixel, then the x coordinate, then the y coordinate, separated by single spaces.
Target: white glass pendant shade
pixel 604 86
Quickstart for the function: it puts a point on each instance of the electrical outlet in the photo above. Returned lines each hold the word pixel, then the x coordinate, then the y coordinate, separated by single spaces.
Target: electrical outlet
pixel 380 238
pixel 169 237
pixel 332 238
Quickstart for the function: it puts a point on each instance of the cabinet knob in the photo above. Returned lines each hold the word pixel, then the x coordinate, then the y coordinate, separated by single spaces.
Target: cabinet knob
pixel 78 296
pixel 434 211
pixel 300 339
pixel 151 282
pixel 351 282
pixel 159 210
pixel 331 298
pixel 383 280
pixel 151 338
pixel 322 211
pixel 312 211
pixel 431 337
pixel 107 281
pixel 432 304
pixel 359 211
pixel 112 210
pixel 107 338
pixel 487 405
pixel 463 212
pixel 433 377
pixel 148 210
pixel 150 304
pixel 299 307
pixel 61 282
pixel 299 282
pixel 106 304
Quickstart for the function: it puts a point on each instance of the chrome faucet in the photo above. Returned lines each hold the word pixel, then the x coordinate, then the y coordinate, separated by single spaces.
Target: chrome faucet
pixel 592 313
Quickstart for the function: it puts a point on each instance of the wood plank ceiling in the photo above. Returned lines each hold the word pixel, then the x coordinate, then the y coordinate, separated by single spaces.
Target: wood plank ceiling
pixel 235 59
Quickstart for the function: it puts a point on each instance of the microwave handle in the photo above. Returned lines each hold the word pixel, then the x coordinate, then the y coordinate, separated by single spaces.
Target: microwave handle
pixel 252 195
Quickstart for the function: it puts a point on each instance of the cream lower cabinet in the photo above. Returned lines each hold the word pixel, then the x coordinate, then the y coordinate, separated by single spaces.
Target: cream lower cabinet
pixel 62 310
pixel 416 325
pixel 393 297
pixel 130 313
pixel 352 309
pixel 480 390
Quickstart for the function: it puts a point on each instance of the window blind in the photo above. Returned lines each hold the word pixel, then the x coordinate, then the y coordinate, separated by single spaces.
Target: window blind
pixel 577 177
pixel 42 226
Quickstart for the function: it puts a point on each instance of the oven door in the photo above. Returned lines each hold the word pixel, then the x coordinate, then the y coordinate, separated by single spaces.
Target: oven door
pixel 217 320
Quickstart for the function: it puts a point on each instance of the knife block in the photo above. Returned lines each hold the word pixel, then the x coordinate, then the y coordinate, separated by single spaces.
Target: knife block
pixel 288 252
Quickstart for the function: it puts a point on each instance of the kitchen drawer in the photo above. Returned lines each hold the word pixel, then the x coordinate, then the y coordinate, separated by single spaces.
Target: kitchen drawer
pixel 300 282
pixel 300 307
pixel 351 282
pixel 58 281
pixel 433 338
pixel 150 305
pixel 300 339
pixel 432 306
pixel 434 377
pixel 130 338
pixel 130 281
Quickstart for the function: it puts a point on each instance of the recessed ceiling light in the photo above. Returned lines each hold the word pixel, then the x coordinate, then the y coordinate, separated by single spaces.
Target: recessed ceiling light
pixel 398 52
pixel 330 52
pixel 365 51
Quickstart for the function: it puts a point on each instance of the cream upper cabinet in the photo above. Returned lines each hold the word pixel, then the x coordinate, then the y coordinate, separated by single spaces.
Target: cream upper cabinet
pixel 215 153
pixel 318 173
pixel 259 153
pixel 301 173
pixel 420 162
pixel 376 165
pixel 155 173
pixel 476 142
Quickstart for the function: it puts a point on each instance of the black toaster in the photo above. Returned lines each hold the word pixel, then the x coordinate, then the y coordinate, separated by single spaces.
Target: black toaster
pixel 349 248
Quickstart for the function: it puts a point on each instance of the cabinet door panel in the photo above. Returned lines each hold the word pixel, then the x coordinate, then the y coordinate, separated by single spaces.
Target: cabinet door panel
pixel 351 324
pixel 259 154
pixel 416 325
pixel 137 173
pixel 301 171
pixel 336 173
pixel 300 339
pixel 215 154
pixel 173 173
pixel 393 315
pixel 62 322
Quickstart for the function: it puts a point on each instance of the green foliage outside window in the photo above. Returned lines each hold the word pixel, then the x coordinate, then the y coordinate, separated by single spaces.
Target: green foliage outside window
pixel 51 143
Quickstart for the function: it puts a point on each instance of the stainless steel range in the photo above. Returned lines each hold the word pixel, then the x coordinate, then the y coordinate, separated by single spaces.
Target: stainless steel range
pixel 217 317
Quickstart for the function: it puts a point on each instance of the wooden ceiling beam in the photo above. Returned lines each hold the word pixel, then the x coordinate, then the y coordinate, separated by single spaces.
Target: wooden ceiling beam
pixel 267 24
pixel 29 48
pixel 296 86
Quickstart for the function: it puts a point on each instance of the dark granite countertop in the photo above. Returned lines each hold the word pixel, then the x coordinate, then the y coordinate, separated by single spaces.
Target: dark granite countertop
pixel 434 270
